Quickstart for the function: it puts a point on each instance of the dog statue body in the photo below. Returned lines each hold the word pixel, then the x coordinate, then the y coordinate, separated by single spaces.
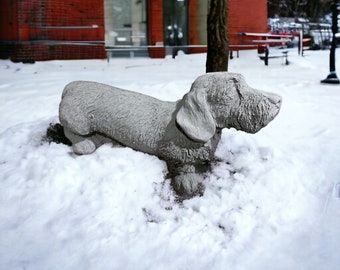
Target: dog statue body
pixel 184 133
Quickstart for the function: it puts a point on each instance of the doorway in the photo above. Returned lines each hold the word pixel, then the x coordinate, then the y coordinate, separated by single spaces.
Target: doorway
pixel 175 22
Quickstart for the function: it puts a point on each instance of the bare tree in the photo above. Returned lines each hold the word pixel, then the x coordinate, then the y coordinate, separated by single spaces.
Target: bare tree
pixel 217 32
pixel 311 9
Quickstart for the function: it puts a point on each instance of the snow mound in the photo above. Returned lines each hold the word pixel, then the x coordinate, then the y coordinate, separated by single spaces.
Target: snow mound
pixel 271 200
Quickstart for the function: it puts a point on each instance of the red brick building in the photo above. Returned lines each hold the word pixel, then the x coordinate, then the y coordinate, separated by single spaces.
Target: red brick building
pixel 49 29
pixel 35 30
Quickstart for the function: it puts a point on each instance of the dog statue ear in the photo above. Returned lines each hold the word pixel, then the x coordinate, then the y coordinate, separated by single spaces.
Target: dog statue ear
pixel 194 116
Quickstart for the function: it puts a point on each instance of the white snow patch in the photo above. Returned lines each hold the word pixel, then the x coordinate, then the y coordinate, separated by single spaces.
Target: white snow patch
pixel 272 200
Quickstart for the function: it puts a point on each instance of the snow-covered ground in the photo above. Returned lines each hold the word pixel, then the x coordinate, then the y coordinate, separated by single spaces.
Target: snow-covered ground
pixel 271 202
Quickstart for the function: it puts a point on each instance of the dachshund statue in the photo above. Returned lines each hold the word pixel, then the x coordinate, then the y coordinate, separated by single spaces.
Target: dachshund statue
pixel 184 133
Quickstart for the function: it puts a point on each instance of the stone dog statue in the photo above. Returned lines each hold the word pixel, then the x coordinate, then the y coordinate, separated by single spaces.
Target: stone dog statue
pixel 184 133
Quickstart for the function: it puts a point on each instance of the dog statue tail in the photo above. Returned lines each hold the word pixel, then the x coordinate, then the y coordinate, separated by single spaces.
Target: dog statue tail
pixel 55 133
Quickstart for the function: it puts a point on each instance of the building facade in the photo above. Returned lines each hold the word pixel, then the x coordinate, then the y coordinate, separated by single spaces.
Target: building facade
pixel 35 30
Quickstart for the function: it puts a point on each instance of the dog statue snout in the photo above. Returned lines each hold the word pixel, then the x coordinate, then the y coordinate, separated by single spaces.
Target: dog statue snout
pixel 275 99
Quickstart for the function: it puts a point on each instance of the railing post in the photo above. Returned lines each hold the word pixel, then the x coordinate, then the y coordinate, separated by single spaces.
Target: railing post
pixel 332 77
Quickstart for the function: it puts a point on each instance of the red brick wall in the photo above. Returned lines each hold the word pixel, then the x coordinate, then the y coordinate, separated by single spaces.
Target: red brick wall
pixel 8 20
pixel 155 28
pixel 9 27
pixel 246 16
pixel 44 26
pixel 26 52
pixel 193 37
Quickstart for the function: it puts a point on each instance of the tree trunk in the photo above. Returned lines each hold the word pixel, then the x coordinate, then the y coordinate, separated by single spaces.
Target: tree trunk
pixel 218 41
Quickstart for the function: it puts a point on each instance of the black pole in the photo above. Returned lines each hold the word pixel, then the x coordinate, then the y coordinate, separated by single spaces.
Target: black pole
pixel 332 77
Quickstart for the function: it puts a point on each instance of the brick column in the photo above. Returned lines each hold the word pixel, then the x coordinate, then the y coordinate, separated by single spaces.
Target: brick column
pixel 155 28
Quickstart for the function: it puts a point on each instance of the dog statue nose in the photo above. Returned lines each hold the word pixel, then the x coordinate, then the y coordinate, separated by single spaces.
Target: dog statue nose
pixel 275 99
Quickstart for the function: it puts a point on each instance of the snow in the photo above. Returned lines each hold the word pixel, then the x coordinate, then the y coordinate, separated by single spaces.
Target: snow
pixel 272 200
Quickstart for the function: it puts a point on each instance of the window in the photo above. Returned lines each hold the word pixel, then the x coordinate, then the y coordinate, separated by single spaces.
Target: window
pixel 125 22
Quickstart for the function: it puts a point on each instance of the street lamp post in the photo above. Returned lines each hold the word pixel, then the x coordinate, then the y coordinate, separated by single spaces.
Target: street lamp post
pixel 332 77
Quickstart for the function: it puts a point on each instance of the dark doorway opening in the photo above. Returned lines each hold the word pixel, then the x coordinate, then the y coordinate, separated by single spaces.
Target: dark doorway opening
pixel 175 23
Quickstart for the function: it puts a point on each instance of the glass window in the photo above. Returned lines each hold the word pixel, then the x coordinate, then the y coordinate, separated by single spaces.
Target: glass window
pixel 125 22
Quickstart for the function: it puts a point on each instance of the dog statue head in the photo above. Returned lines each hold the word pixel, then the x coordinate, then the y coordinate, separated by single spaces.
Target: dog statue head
pixel 224 100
